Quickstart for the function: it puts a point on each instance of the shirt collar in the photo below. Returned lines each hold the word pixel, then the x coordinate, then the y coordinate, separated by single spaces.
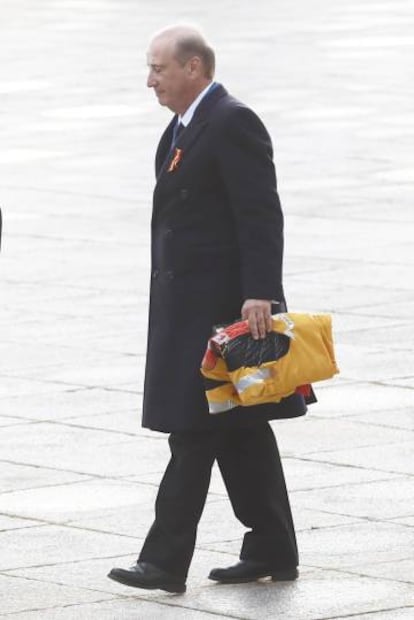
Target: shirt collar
pixel 189 113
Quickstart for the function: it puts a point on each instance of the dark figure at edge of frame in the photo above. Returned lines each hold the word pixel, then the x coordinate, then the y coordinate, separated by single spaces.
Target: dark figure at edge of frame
pixel 217 247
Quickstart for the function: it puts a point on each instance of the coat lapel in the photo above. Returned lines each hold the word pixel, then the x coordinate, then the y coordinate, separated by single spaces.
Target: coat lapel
pixel 164 147
pixel 189 136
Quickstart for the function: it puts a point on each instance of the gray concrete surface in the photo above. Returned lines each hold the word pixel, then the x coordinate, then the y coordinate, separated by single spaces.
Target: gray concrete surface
pixel 334 83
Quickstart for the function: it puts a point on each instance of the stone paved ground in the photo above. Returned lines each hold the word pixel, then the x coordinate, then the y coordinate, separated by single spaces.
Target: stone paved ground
pixel 334 83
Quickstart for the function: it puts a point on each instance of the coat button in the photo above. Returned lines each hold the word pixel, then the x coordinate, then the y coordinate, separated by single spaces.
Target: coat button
pixel 169 275
pixel 155 273
pixel 168 232
pixel 183 194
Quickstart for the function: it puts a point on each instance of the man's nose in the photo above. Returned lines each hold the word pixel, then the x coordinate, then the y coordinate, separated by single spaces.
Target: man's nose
pixel 151 81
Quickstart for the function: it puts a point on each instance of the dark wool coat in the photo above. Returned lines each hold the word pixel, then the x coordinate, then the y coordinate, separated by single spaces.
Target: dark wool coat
pixel 217 239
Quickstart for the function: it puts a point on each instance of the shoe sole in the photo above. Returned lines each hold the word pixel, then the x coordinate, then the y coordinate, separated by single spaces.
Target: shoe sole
pixel 168 587
pixel 275 576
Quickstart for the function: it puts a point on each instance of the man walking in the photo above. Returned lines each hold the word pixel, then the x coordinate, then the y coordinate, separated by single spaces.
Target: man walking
pixel 217 246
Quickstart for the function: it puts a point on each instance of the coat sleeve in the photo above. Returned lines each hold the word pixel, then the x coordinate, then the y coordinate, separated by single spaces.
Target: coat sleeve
pixel 245 158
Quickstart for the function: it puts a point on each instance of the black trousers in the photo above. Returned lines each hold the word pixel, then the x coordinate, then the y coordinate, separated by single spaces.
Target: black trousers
pixel 249 462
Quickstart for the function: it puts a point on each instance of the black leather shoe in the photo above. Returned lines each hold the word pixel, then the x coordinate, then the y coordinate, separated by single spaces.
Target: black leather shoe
pixel 248 570
pixel 147 576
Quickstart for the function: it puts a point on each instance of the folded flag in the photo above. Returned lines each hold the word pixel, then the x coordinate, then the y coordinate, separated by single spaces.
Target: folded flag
pixel 239 370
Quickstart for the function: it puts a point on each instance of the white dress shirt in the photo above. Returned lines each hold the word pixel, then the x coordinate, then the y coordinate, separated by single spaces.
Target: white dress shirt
pixel 189 113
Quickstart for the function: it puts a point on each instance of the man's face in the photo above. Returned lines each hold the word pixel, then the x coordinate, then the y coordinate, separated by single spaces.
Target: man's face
pixel 170 80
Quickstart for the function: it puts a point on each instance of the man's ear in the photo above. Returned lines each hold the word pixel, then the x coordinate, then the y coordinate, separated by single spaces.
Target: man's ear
pixel 194 66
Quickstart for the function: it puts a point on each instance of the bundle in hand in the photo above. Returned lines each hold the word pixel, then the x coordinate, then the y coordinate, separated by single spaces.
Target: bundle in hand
pixel 239 370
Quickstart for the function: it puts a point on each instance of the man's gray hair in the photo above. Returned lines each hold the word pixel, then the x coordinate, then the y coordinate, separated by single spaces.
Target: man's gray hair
pixel 191 45
pixel 189 42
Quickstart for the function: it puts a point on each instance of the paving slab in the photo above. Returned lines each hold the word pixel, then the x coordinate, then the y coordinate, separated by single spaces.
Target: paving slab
pixel 305 474
pixel 361 398
pixel 15 523
pixel 37 597
pixel 399 613
pixel 381 500
pixel 127 422
pixel 392 418
pixel 17 477
pixel 313 435
pixel 300 473
pixel 97 452
pixel 121 608
pixel 15 386
pixel 10 421
pixel 75 403
pixel 356 544
pixel 36 360
pixel 402 570
pixel 93 573
pixel 406 520
pixel 339 595
pixel 52 544
pixel 72 501
pixel 396 458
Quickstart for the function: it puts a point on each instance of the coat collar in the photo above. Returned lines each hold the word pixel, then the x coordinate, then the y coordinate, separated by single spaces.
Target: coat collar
pixel 190 134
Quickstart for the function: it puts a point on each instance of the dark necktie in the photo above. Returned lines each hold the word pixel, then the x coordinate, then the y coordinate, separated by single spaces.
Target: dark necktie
pixel 179 127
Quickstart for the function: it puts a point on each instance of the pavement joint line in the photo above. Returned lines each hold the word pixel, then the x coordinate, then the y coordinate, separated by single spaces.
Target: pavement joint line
pixel 43 380
pixel 62 422
pixel 359 518
pixel 349 484
pixel 112 412
pixel 67 286
pixel 92 428
pixel 394 521
pixel 351 217
pixel 115 596
pixel 136 597
pixel 66 422
pixel 6 571
pixel 373 382
pixel 361 447
pixel 358 573
pixel 68 525
pixel 22 527
pixel 85 240
pixel 385 425
pixel 400 323
pixel 89 477
pixel 371 612
pixel 29 419
pixel 58 583
pixel 57 607
pixel 317 528
pixel 357 262
pixel 348 417
pixel 401 385
pixel 69 471
pixel 66 383
pixel 66 192
pixel 48 486
pixel 95 476
pixel 383 471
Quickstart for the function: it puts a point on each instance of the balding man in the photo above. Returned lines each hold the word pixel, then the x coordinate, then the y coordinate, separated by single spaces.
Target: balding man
pixel 217 245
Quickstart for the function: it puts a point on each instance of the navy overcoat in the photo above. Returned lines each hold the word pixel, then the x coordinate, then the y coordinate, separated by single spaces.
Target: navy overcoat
pixel 217 239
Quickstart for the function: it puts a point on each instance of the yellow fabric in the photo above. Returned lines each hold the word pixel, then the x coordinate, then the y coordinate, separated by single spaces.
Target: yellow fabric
pixel 310 358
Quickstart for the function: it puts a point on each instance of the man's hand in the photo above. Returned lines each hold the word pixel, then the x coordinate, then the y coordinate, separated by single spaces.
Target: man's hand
pixel 259 316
